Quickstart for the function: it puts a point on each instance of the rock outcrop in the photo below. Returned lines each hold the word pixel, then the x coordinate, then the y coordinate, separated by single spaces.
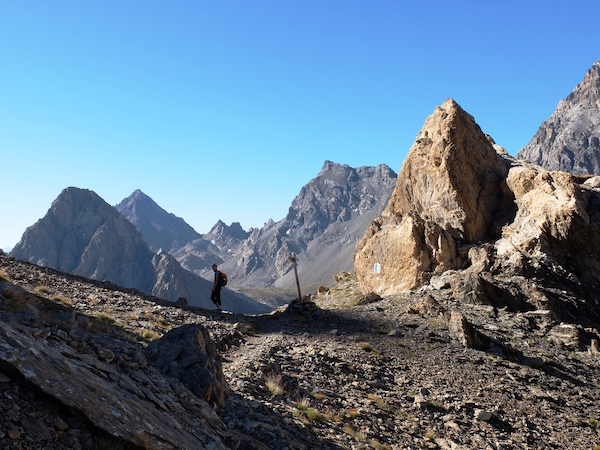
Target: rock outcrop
pixel 570 139
pixel 448 193
pixel 464 208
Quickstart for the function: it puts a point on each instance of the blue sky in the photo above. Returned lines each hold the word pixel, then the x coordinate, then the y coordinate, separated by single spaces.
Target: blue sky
pixel 225 109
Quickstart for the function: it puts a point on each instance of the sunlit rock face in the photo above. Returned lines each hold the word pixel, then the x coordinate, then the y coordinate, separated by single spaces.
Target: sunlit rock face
pixel 449 191
pixel 464 208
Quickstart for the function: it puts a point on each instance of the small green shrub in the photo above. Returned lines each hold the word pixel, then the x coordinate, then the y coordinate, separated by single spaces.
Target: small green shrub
pixel 314 416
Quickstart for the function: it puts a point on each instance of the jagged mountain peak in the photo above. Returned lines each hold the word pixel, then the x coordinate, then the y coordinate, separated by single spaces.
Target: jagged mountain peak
pixel 159 228
pixel 570 139
pixel 221 230
pixel 84 235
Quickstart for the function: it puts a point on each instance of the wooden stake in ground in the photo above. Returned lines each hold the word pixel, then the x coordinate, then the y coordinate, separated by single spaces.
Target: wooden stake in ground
pixel 294 261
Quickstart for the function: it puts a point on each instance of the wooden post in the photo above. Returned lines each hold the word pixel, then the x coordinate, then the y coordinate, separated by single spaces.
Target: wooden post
pixel 294 261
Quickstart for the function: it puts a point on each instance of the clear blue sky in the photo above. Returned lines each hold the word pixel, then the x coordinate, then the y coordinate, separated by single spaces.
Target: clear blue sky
pixel 225 109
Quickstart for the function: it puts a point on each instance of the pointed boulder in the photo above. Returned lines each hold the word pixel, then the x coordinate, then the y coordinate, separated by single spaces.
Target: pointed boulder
pixel 447 194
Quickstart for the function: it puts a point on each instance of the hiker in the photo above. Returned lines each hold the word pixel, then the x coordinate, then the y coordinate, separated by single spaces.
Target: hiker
pixel 216 290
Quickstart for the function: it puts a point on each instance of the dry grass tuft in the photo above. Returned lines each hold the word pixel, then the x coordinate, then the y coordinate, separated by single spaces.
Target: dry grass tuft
pixel 274 384
pixel 151 335
pixel 63 300
pixel 42 289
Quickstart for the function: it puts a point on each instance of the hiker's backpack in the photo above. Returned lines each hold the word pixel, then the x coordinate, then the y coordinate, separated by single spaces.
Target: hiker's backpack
pixel 222 278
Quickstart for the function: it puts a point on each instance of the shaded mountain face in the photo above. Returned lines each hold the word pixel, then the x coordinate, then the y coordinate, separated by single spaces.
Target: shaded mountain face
pixel 570 139
pixel 159 228
pixel 83 235
pixel 322 227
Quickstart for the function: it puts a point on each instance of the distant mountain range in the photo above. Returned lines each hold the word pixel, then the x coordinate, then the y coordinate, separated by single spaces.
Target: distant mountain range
pixel 138 244
pixel 570 139
pixel 83 235
pixel 324 222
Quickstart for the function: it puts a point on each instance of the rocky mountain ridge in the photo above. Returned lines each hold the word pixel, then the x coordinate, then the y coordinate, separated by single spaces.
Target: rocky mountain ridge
pixel 570 139
pixel 83 235
pixel 160 229
pixel 323 224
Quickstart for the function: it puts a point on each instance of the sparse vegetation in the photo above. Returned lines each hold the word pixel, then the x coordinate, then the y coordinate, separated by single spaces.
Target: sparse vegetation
pixel 4 276
pixel 368 348
pixel 381 403
pixel 63 300
pixel 355 434
pixel 105 317
pixel 314 415
pixel 378 445
pixel 365 346
pixel 151 335
pixel 161 322
pixel 42 289
pixel 381 331
pixel 274 385
pixel 308 414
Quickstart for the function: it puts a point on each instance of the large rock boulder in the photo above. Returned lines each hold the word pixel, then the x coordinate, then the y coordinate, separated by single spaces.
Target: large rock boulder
pixel 188 354
pixel 148 414
pixel 557 225
pixel 448 192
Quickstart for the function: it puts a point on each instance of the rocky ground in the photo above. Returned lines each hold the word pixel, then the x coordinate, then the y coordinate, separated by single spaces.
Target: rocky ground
pixel 393 373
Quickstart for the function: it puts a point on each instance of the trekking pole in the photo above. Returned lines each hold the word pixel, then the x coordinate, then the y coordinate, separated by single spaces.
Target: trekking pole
pixel 294 261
